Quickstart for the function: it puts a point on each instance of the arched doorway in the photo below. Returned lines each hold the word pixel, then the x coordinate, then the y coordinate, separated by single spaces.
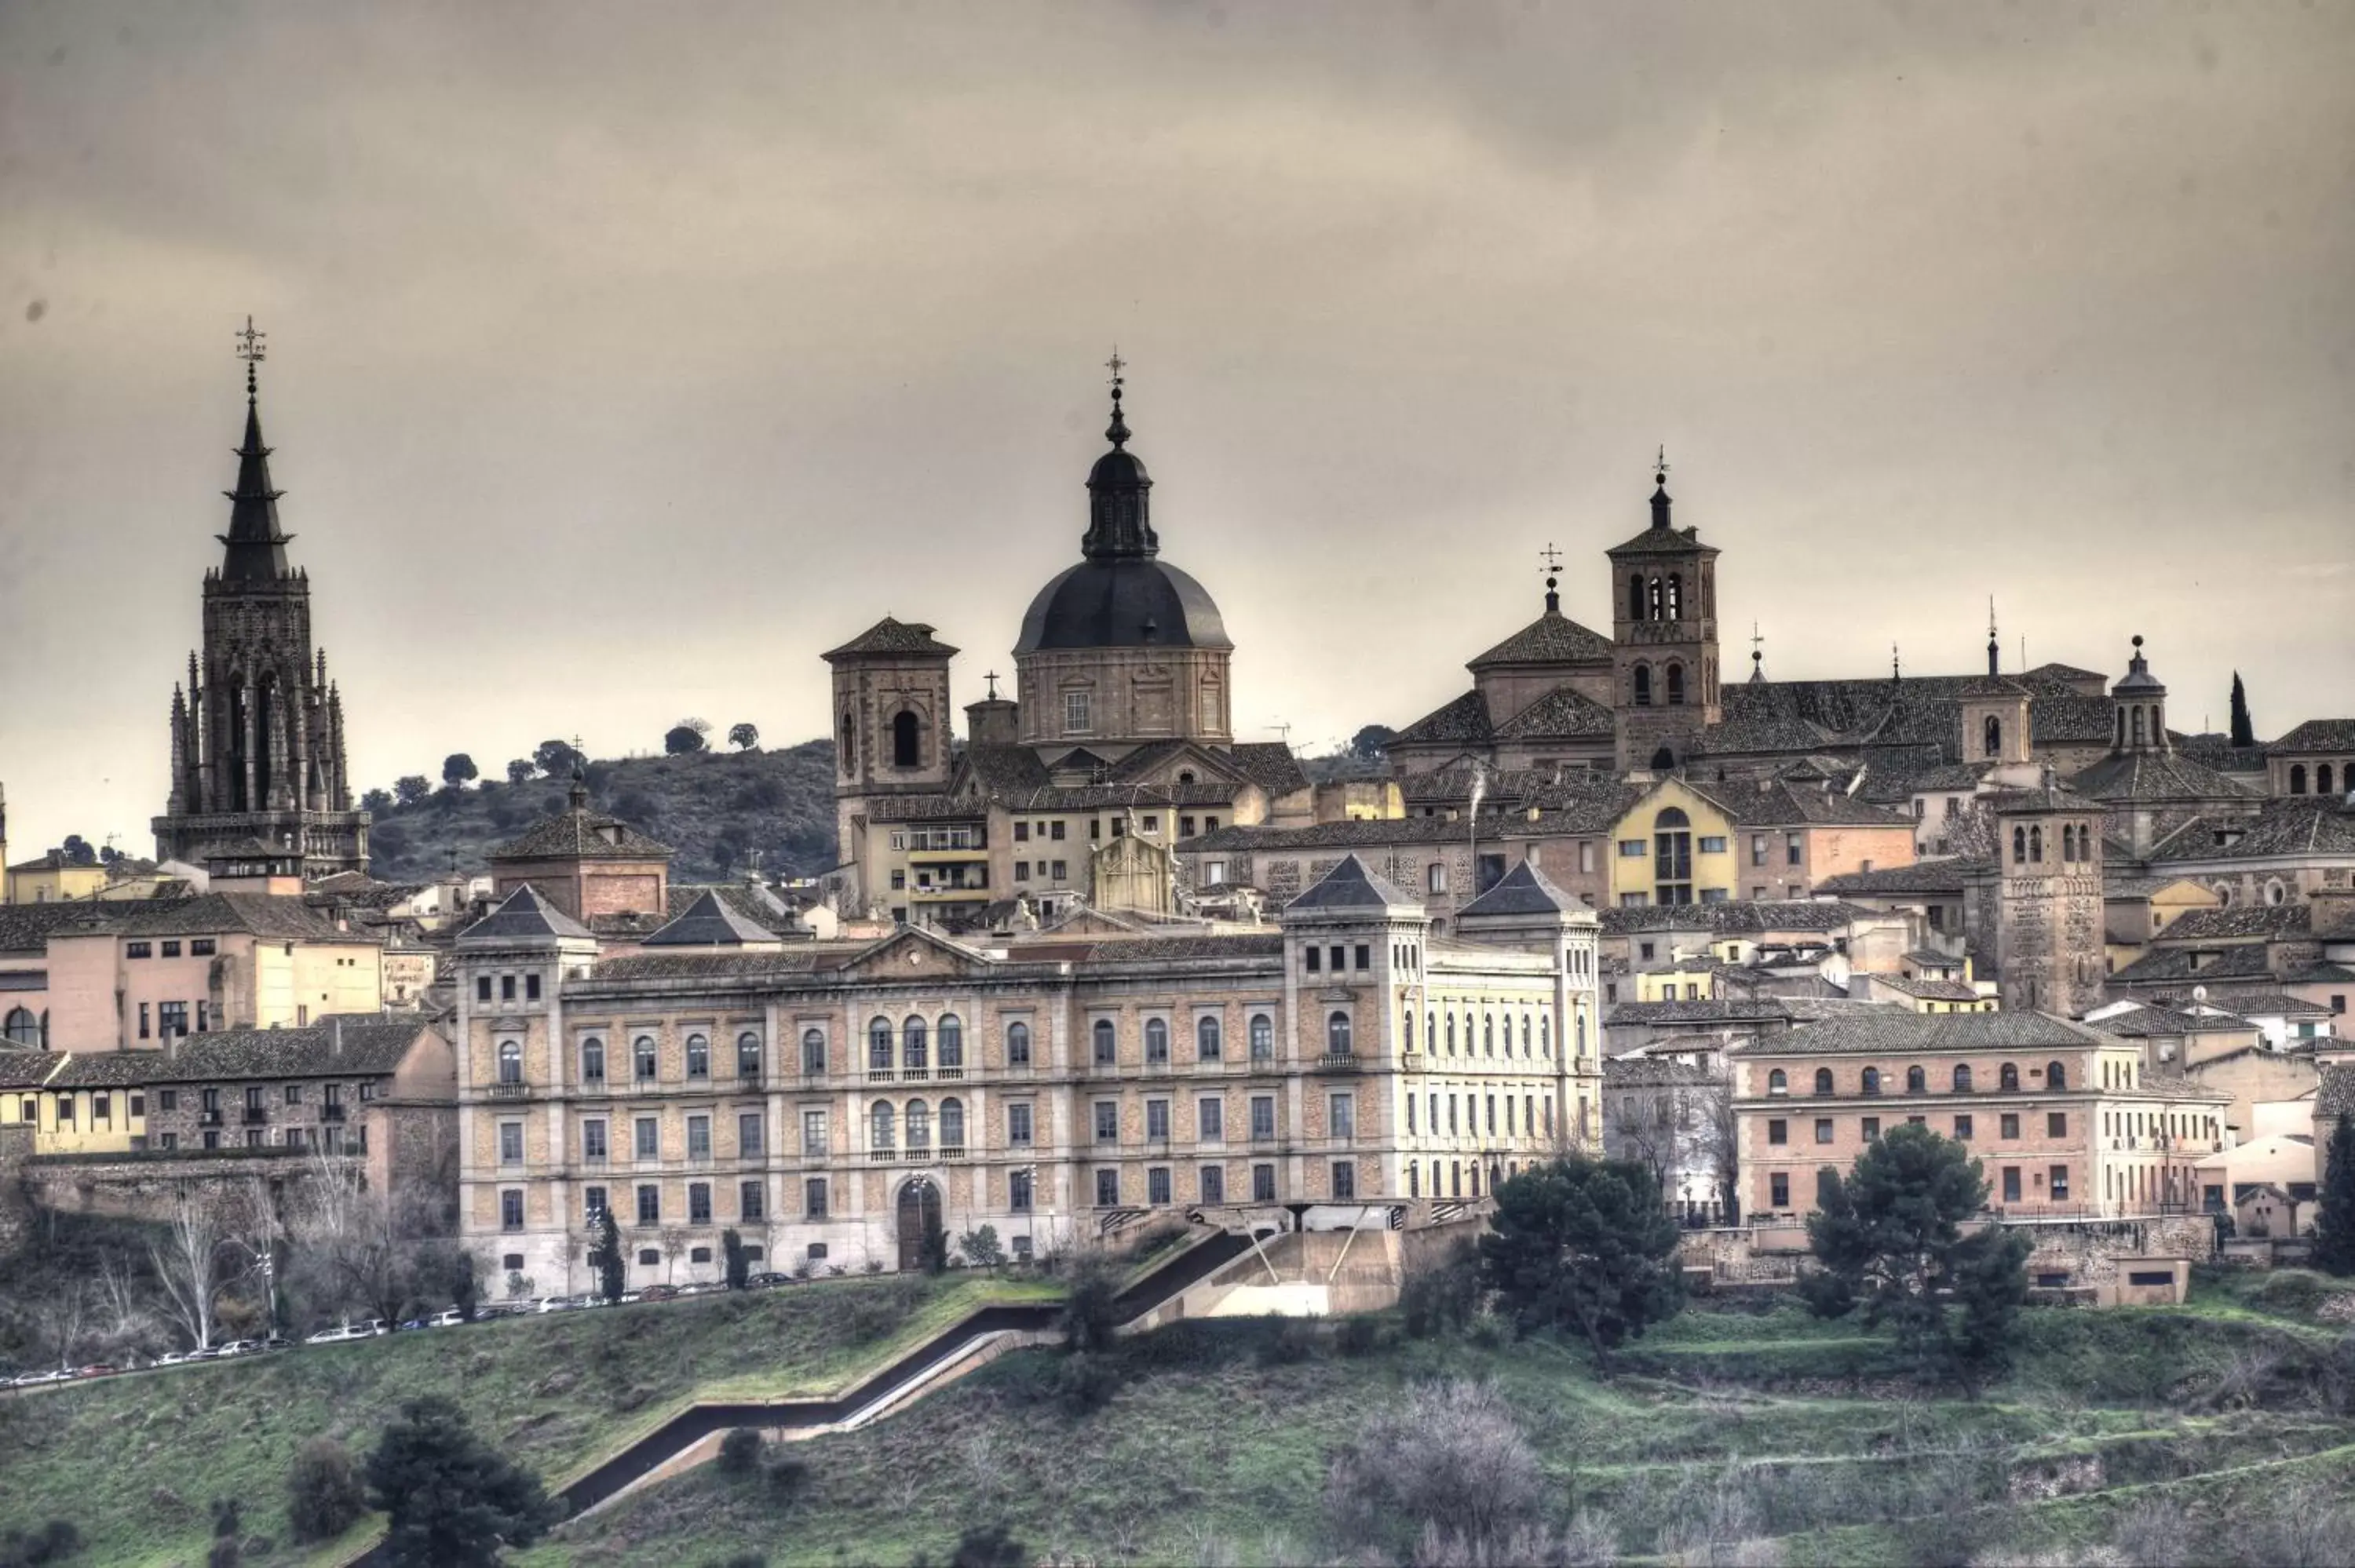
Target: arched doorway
pixel 920 1208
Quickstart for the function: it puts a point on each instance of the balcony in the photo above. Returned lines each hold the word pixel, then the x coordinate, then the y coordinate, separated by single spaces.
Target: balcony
pixel 331 1111
pixel 882 1156
pixel 881 1075
pixel 1340 1062
pixel 209 1118
pixel 256 1116
pixel 952 1151
pixel 948 1073
pixel 594 1084
pixel 749 1077
pixel 515 1090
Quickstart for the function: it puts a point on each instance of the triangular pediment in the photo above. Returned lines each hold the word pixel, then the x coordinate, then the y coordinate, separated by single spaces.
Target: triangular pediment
pixel 915 952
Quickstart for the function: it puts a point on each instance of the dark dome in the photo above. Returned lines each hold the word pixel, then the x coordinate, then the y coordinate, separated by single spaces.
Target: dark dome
pixel 1126 602
pixel 1118 467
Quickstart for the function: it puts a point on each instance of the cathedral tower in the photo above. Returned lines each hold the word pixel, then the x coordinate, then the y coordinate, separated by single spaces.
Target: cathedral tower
pixel 258 732
pixel 1663 639
pixel 2050 949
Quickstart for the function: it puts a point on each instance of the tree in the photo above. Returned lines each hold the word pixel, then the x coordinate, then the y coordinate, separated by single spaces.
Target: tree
pixel 458 769
pixel 740 1267
pixel 1888 1240
pixel 186 1258
pixel 605 1257
pixel 1583 1244
pixel 323 1494
pixel 934 1247
pixel 981 1247
pixel 681 741
pixel 412 788
pixel 451 1500
pixel 1369 744
pixel 554 758
pixel 519 770
pixel 2244 732
pixel 76 851
pixel 375 800
pixel 2334 1227
pixel 744 738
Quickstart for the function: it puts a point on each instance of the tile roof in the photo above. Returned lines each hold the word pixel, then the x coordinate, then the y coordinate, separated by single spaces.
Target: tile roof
pixel 2260 1001
pixel 2145 1019
pixel 1464 721
pixel 1739 916
pixel 2164 965
pixel 2335 1094
pixel 2056 671
pixel 1921 876
pixel 1551 639
pixel 1270 764
pixel 801 961
pixel 1654 1073
pixel 1920 710
pixel 1561 714
pixel 2244 920
pixel 1927 990
pixel 25 1069
pixel 2155 776
pixel 284 917
pixel 1764 734
pixel 25 927
pixel 523 916
pixel 2316 735
pixel 1351 885
pixel 2050 796
pixel 709 923
pixel 1523 890
pixel 367 1045
pixel 1899 1030
pixel 2300 825
pixel 1783 803
pixel 581 834
pixel 1167 949
pixel 887 637
pixel 1003 770
pixel 2218 751
pixel 1738 1009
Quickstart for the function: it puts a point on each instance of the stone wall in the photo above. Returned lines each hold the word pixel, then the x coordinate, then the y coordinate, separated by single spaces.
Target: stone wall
pixel 2082 1252
pixel 144 1187
pixel 15 1211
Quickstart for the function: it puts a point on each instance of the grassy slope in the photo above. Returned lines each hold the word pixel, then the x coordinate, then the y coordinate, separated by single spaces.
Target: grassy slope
pixel 135 1461
pixel 1800 1427
pixel 778 802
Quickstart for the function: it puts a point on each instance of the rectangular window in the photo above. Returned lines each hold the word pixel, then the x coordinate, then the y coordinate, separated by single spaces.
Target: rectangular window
pixel 1345 1179
pixel 1213 1184
pixel 1778 1191
pixel 165 1100
pixel 1021 833
pixel 138 1104
pixel 1634 849
pixel 293 1094
pixel 170 1142
pixel 592 1202
pixel 1262 1183
pixel 1185 827
pixel 506 987
pixel 531 987
pixel 1018 1191
pixel 138 950
pixel 649 1205
pixel 171 949
pixel 649 1144
pixel 1711 845
pixel 592 1139
pixel 1017 1125
pixel 2056 1124
pixel 510 1143
pixel 749 1135
pixel 510 1209
pixel 143 1033
pixel 1365 955
pixel 2008 1125
pixel 1340 957
pixel 1962 1129
pixel 1792 844
pixel 1823 1129
pixel 1314 959
pixel 1871 1128
pixel 751 1200
pixel 2060 1184
pixel 1156 1185
pixel 1156 1041
pixel 1107 1189
pixel 1778 1130
pixel 482 987
pixel 1075 712
pixel 1263 1118
pixel 1157 1120
pixel 1056 870
pixel 1210 1120
pixel 1055 833
pixel 698 1203
pixel 200 947
pixel 814 1133
pixel 698 1138
pixel 813 1198
pixel 1107 1122
pixel 1021 871
pixel 1344 1123
pixel 172 1019
pixel 2012 1183
pixel 1758 849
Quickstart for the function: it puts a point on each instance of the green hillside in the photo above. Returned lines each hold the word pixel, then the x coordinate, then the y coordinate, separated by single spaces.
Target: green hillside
pixel 716 809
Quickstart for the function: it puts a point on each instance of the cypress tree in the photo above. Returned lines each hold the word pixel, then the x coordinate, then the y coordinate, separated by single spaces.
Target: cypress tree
pixel 2334 1228
pixel 605 1257
pixel 2243 734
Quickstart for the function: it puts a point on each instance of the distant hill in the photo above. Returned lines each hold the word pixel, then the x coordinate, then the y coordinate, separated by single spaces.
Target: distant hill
pixel 714 808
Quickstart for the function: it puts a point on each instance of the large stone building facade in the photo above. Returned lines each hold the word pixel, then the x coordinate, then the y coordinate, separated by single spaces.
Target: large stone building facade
pixel 824 1100
pixel 257 733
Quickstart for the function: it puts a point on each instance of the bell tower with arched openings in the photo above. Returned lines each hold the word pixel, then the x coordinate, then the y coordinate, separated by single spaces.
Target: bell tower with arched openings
pixel 892 719
pixel 2049 932
pixel 1664 637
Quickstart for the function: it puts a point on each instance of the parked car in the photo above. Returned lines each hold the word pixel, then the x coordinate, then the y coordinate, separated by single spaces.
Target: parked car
pixel 277 1342
pixel 34 1380
pixel 658 1293
pixel 340 1334
pixel 764 1281
pixel 241 1348
pixel 445 1319
pixel 172 1359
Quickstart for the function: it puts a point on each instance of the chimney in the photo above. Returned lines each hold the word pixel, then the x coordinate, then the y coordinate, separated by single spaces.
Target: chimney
pixel 336 1035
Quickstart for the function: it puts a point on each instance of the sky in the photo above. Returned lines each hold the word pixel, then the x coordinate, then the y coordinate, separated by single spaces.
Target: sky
pixel 623 358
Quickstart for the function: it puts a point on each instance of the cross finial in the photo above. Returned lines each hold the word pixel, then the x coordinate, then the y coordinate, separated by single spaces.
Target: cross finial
pixel 991 678
pixel 1660 464
pixel 250 349
pixel 1552 558
pixel 1115 364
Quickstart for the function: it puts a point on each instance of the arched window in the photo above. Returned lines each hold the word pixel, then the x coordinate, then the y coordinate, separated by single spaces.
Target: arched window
pixel 1156 1041
pixel 642 1058
pixel 1451 1034
pixel 1675 685
pixel 1410 1032
pixel 848 742
pixel 698 1056
pixel 2036 844
pixel 1671 816
pixel 1823 1080
pixel 2297 778
pixel 1676 598
pixel 913 1045
pixel 1525 1036
pixel 1994 741
pixel 1208 1045
pixel 1489 1034
pixel 906 740
pixel 1643 685
pixel 2322 778
pixel 747 1055
pixel 1917 1081
pixel 1581 1034
pixel 592 1060
pixel 952 1038
pixel 1262 1037
pixel 2019 845
pixel 879 1128
pixel 879 1046
pixel 813 1051
pixel 1778 1081
pixel 510 1061
pixel 1871 1085
pixel 920 1125
pixel 1017 1045
pixel 2008 1077
pixel 2138 724
pixel 2068 843
pixel 2056 1077
pixel 1635 604
pixel 1653 596
pixel 1962 1077
pixel 1106 1045
pixel 952 1126
pixel 2122 729
pixel 1336 1034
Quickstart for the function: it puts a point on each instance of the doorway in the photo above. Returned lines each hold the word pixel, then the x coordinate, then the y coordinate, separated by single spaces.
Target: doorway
pixel 920 1209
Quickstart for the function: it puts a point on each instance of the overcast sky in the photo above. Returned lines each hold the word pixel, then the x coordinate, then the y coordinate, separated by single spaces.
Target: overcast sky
pixel 623 358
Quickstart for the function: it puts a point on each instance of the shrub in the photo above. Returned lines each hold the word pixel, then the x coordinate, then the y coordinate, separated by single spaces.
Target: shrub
pixel 787 1476
pixel 1357 1336
pixel 739 1451
pixel 1085 1384
pixel 1442 1294
pixel 1450 1462
pixel 53 1542
pixel 1092 1311
pixel 1293 1340
pixel 323 1494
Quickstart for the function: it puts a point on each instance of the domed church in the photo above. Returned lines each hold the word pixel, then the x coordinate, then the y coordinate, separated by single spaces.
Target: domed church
pixel 1118 744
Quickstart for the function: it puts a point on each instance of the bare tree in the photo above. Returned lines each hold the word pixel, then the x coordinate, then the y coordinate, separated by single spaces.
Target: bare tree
pixel 674 1247
pixel 61 1320
pixel 121 1318
pixel 187 1257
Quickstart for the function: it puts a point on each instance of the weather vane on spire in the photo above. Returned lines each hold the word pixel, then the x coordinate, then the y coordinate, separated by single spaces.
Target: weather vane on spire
pixel 1551 559
pixel 1117 431
pixel 250 349
pixel 1660 465
pixel 1115 364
